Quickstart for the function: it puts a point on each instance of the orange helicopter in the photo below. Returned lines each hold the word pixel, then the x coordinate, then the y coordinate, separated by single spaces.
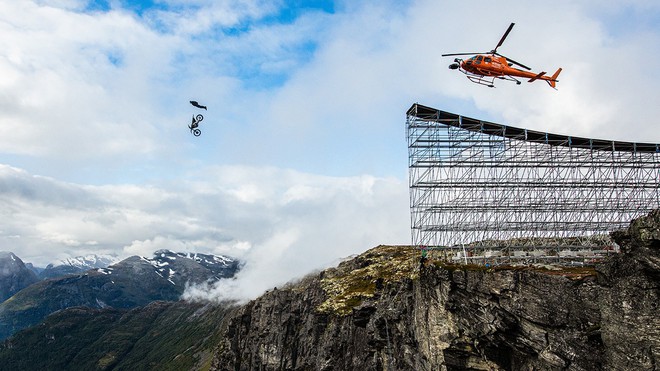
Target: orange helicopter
pixel 483 68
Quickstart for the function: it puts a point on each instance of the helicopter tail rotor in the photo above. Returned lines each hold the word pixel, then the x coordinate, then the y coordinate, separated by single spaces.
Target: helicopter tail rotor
pixel 553 80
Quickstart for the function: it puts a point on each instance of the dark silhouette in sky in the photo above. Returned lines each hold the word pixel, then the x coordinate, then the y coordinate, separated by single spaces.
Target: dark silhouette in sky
pixel 194 103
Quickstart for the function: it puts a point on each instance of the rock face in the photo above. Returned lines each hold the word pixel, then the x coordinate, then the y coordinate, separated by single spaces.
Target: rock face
pixel 630 300
pixel 385 311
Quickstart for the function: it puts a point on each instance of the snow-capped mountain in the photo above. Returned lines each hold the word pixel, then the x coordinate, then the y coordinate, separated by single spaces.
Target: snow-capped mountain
pixel 78 264
pixel 181 268
pixel 91 261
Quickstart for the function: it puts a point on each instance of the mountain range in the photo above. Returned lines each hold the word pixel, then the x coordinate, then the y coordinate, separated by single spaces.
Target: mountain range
pixel 132 282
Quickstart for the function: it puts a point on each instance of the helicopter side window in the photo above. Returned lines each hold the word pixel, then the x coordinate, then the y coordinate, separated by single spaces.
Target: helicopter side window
pixel 488 59
pixel 479 59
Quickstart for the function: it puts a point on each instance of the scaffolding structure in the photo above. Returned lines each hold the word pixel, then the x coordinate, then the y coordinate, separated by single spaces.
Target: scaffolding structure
pixel 484 192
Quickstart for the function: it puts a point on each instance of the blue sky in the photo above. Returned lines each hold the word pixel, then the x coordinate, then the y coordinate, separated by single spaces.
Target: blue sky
pixel 302 158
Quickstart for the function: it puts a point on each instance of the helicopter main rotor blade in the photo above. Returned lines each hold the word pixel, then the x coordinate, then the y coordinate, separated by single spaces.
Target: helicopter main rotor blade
pixel 503 37
pixel 514 62
pixel 451 54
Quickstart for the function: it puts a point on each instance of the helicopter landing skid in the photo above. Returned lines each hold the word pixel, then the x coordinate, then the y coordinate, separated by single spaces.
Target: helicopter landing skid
pixel 482 80
pixel 488 81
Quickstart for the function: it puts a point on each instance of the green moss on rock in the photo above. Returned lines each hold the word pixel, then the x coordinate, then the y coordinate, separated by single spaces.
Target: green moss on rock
pixel 354 281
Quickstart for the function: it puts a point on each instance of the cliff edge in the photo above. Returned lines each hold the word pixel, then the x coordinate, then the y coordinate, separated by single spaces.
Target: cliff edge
pixel 386 310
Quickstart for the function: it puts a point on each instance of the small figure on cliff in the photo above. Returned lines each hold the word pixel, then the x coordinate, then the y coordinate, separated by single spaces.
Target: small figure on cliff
pixel 422 260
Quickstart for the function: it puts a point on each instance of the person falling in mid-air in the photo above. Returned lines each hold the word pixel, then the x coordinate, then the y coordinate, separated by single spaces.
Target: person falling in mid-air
pixel 194 103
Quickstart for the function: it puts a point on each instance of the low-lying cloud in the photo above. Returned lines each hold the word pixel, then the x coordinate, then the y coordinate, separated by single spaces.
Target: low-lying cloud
pixel 281 223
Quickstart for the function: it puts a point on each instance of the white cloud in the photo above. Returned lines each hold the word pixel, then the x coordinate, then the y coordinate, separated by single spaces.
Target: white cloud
pixel 321 93
pixel 196 17
pixel 280 236
pixel 77 93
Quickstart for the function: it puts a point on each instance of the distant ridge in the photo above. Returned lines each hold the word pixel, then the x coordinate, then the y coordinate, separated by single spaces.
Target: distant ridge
pixel 77 264
pixel 14 275
pixel 132 282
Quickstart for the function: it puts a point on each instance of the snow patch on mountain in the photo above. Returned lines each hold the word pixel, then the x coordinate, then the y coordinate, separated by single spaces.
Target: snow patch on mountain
pixel 88 261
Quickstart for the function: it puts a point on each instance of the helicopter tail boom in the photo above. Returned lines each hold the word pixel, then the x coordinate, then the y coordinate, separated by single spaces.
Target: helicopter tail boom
pixel 536 77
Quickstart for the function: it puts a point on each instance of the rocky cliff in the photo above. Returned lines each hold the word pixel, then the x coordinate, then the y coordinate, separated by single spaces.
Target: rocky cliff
pixel 384 311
